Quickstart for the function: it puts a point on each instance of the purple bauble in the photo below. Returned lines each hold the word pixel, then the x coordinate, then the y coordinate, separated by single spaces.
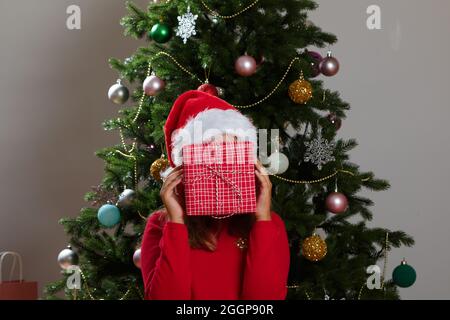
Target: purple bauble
pixel 245 65
pixel 151 148
pixel 334 119
pixel 329 66
pixel 315 65
pixel 315 56
pixel 153 85
pixel 137 258
pixel 336 202
pixel 315 69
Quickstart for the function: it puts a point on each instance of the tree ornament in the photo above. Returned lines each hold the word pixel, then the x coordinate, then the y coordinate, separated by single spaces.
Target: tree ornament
pixel 329 66
pixel 137 258
pixel 160 33
pixel 315 65
pixel 315 70
pixel 214 19
pixel 153 85
pixel 186 25
pixel 404 275
pixel 158 166
pixel 336 202
pixel 67 258
pixel 220 92
pixel 209 88
pixel 108 215
pixel 335 120
pixel 300 91
pixel 319 151
pixel 260 60
pixel 151 148
pixel 314 248
pixel 118 93
pixel 277 163
pixel 245 65
pixel 316 56
pixel 126 198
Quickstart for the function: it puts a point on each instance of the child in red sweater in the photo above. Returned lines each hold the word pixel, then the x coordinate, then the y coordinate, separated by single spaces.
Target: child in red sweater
pixel 185 257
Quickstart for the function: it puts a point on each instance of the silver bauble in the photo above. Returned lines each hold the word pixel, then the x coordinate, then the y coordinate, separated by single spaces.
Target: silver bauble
pixel 118 93
pixel 67 258
pixel 137 258
pixel 126 198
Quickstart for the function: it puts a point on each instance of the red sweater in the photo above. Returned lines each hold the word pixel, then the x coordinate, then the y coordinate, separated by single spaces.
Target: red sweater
pixel 172 270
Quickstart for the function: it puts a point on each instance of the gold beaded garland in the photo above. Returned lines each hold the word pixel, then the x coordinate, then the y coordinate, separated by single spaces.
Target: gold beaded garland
pixel 314 248
pixel 157 167
pixel 300 91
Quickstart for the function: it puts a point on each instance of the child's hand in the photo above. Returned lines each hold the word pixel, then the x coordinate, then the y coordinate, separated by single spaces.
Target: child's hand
pixel 264 196
pixel 171 200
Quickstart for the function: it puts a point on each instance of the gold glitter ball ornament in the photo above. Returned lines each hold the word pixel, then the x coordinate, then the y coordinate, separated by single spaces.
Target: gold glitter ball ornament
pixel 300 91
pixel 157 167
pixel 314 248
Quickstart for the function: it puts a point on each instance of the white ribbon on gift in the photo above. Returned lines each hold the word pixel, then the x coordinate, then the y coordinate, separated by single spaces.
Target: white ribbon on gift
pixel 16 258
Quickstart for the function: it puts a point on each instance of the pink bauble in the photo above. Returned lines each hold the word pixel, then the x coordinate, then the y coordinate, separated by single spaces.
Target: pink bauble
pixel 334 119
pixel 245 65
pixel 153 85
pixel 209 88
pixel 137 258
pixel 329 66
pixel 336 202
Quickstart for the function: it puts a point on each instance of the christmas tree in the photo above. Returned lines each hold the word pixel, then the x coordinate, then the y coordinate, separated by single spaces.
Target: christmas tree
pixel 261 56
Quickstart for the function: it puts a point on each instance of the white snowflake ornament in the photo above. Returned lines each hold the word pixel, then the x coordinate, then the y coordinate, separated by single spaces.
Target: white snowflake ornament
pixel 319 151
pixel 186 25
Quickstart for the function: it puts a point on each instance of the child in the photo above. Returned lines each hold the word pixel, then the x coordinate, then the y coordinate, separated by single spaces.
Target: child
pixel 243 256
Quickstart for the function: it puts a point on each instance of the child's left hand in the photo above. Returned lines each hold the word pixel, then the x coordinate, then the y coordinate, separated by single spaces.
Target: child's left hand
pixel 264 196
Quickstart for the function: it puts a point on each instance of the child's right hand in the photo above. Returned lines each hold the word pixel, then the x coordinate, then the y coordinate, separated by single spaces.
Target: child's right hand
pixel 171 200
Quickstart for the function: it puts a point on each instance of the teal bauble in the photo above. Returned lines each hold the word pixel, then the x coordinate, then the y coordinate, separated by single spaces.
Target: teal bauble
pixel 404 275
pixel 160 32
pixel 108 215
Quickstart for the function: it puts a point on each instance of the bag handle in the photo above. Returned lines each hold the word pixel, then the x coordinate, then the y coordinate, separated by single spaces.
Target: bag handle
pixel 16 257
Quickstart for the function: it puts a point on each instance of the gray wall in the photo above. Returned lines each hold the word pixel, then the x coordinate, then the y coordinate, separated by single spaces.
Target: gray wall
pixel 53 84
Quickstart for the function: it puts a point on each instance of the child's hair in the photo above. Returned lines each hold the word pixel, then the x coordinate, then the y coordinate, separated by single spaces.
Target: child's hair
pixel 201 229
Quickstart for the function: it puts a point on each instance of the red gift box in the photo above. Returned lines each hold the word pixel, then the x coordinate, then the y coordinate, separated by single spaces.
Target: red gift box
pixel 219 178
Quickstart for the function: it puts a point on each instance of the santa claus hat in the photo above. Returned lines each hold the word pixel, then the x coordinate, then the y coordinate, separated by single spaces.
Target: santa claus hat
pixel 196 117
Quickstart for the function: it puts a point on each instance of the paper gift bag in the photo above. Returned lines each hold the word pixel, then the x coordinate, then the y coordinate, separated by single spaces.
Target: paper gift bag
pixel 18 289
pixel 219 178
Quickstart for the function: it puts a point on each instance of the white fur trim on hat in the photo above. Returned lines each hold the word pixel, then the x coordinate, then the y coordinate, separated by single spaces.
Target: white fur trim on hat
pixel 209 123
